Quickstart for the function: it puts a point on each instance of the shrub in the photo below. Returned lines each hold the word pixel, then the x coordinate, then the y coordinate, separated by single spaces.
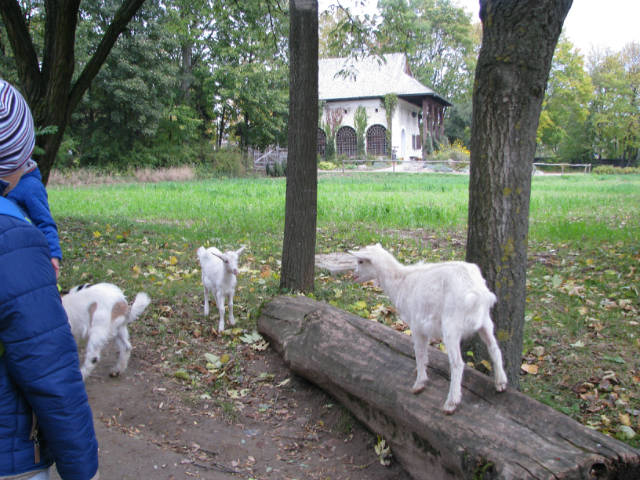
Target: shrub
pixel 277 169
pixel 456 151
pixel 611 170
pixel 326 166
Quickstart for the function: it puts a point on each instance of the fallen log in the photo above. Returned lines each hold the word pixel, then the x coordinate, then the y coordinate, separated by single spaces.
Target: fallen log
pixel 370 368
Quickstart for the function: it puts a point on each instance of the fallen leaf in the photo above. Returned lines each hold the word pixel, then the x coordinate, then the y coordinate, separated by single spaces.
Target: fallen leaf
pixel 627 432
pixel 625 419
pixel 487 365
pixel 529 368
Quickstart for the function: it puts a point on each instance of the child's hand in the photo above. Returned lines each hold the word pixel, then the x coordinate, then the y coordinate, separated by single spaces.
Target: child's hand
pixel 56 266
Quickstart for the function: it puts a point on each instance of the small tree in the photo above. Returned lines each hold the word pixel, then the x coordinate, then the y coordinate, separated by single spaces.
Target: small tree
pixel 360 120
pixel 333 121
pixel 390 103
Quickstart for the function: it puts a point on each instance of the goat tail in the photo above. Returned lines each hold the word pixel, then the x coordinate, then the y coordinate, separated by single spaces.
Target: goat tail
pixel 475 300
pixel 139 305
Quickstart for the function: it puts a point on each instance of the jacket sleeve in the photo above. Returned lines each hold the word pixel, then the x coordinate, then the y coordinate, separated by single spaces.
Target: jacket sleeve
pixel 31 195
pixel 41 354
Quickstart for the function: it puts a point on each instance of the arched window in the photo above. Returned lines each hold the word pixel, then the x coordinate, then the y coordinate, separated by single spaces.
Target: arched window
pixel 322 142
pixel 346 143
pixel 377 140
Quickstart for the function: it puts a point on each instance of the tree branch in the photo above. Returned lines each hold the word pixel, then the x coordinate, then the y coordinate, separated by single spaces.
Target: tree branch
pixel 24 52
pixel 122 17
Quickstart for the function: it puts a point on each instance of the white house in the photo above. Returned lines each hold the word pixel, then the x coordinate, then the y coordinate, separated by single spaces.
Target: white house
pixel 345 84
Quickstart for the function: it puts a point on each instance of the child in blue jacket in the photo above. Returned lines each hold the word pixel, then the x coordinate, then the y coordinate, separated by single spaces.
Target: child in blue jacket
pixel 31 196
pixel 45 416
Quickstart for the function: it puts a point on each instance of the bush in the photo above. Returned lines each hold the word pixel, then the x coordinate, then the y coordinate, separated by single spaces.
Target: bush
pixel 326 166
pixel 278 169
pixel 611 170
pixel 456 151
pixel 226 162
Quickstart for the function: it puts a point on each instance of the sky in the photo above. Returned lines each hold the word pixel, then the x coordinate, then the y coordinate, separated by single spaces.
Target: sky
pixel 599 24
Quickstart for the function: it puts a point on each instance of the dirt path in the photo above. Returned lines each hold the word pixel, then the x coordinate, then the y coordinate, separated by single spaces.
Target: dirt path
pixel 149 427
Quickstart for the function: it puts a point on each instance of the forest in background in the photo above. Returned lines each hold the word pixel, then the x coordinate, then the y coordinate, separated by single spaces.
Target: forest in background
pixel 188 79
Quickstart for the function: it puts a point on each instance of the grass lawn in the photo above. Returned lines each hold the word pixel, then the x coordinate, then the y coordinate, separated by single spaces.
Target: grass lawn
pixel 582 333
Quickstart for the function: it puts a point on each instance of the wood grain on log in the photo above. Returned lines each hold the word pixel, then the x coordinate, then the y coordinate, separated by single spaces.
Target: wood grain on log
pixel 370 368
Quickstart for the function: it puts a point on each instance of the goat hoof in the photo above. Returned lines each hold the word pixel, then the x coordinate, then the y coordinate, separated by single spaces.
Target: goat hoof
pixel 449 410
pixel 418 387
pixel 501 387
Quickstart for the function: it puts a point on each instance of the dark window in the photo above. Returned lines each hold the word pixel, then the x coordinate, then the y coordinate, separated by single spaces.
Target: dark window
pixel 346 143
pixel 377 140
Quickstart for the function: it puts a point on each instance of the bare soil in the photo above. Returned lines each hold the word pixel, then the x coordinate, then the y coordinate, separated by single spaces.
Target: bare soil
pixel 150 427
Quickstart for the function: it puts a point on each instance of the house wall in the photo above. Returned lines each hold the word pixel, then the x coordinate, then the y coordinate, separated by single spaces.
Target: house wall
pixel 405 127
pixel 402 121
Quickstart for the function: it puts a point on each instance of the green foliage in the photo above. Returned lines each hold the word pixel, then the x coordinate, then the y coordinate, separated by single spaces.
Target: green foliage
pixel 390 103
pixel 360 120
pixel 331 125
pixel 226 162
pixel 611 170
pixel 119 117
pixel 455 151
pixel 437 38
pixel 615 113
pixel 563 131
pixel 342 33
pixel 458 122
pixel 327 166
pixel 277 169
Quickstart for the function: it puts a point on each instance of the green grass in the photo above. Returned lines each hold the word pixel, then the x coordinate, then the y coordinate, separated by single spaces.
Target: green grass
pixel 582 318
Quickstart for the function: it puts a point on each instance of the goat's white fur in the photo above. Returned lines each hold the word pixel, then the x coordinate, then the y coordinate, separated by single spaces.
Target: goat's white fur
pixel 219 277
pixel 447 300
pixel 98 313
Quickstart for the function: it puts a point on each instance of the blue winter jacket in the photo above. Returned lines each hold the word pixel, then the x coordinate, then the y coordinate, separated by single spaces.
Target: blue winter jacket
pixel 39 367
pixel 31 196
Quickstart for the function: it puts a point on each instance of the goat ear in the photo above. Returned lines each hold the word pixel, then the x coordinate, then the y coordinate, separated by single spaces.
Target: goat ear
pixel 360 255
pixel 240 250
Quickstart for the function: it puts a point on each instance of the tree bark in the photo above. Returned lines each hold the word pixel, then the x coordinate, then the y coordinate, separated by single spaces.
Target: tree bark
pixel 518 42
pixel 50 90
pixel 299 241
pixel 370 368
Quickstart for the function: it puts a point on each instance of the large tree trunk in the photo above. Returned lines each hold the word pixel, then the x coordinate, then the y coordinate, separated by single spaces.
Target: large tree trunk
pixel 518 42
pixel 299 242
pixel 50 90
pixel 370 368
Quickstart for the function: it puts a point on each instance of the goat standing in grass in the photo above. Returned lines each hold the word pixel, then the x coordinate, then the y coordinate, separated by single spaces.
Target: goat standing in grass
pixel 447 300
pixel 219 272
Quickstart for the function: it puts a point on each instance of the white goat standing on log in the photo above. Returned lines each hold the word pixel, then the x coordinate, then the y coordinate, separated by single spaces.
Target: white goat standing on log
pixel 219 272
pixel 447 300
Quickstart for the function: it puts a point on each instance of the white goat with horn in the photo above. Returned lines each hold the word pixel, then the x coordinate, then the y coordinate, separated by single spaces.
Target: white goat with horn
pixel 447 300
pixel 219 272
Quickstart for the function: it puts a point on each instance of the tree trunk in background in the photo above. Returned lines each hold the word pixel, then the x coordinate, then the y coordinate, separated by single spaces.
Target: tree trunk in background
pixel 48 84
pixel 518 42
pixel 298 249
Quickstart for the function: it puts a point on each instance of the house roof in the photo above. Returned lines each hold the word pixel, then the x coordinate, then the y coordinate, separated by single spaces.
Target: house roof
pixel 370 77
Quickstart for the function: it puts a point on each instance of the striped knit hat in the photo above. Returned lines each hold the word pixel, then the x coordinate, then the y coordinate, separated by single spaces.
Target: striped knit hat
pixel 17 137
